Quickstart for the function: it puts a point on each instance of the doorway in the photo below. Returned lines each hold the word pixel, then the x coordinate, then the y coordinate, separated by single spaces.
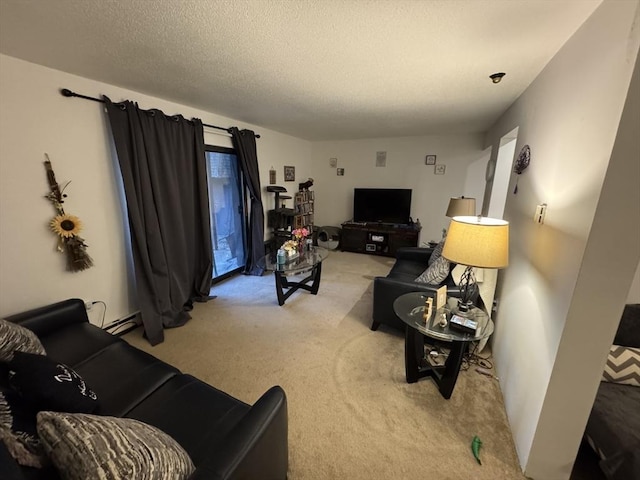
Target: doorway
pixel 498 175
pixel 226 206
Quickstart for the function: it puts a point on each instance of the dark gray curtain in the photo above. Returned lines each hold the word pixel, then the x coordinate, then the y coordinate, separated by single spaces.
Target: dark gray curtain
pixel 244 142
pixel 162 161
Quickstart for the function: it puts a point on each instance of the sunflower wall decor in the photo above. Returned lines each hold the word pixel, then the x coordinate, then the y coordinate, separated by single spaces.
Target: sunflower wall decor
pixel 66 226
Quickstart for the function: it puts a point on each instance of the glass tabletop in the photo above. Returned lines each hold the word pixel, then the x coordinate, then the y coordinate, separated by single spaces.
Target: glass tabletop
pixel 304 262
pixel 410 309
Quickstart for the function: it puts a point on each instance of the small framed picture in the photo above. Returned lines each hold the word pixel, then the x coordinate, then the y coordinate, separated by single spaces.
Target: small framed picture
pixel 289 174
pixel 333 162
pixel 439 169
pixel 431 160
pixel 340 172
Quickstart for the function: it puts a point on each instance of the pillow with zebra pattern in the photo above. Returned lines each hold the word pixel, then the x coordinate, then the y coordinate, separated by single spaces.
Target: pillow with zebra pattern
pixel 623 366
pixel 85 446
pixel 436 273
pixel 16 338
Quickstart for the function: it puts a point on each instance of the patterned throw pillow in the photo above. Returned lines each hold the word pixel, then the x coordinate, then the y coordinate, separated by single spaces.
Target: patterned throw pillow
pixel 49 385
pixel 623 366
pixel 85 446
pixel 16 338
pixel 18 430
pixel 435 273
pixel 437 253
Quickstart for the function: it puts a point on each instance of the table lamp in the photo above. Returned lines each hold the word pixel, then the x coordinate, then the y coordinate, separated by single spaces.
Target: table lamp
pixel 476 241
pixel 461 206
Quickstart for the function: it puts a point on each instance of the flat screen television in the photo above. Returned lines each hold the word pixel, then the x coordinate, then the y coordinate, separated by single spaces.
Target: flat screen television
pixel 382 205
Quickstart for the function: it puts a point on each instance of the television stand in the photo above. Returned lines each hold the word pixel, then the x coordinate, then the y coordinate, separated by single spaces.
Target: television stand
pixel 378 238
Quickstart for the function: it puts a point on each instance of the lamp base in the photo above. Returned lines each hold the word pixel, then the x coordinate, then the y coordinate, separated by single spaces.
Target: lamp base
pixel 464 308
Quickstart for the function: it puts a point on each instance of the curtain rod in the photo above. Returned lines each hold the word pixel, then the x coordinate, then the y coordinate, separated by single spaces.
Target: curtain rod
pixel 68 93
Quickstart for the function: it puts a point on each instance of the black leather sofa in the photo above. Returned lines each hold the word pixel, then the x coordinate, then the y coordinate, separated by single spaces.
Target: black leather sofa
pixel 225 438
pixel 613 428
pixel 410 263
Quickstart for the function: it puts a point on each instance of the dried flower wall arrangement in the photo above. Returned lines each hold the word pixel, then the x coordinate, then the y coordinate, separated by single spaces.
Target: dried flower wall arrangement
pixel 67 227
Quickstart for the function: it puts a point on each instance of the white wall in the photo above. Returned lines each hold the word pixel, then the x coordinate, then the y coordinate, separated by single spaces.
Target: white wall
pixel 560 300
pixel 35 119
pixel 405 168
pixel 634 291
pixel 474 184
pixel 502 174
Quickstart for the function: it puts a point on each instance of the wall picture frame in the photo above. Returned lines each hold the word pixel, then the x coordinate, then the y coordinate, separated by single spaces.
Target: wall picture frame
pixel 430 160
pixel 340 172
pixel 439 169
pixel 333 162
pixel 289 173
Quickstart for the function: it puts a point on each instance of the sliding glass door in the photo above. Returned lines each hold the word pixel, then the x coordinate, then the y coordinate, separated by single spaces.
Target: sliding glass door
pixel 226 203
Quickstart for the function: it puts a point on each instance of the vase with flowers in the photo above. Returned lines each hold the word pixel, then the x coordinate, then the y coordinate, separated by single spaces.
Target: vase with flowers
pixel 300 235
pixel 290 248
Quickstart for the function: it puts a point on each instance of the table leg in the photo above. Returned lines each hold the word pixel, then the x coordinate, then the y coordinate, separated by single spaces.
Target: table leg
pixel 280 287
pixel 452 368
pixel 282 283
pixel 317 271
pixel 413 353
pixel 416 367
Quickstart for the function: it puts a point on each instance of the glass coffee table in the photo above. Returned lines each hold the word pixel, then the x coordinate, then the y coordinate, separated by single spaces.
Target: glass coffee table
pixel 307 261
pixel 410 309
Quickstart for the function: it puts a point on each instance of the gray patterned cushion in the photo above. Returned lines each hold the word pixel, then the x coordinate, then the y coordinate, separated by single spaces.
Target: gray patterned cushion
pixel 623 366
pixel 18 430
pixel 437 253
pixel 14 337
pixel 436 272
pixel 85 446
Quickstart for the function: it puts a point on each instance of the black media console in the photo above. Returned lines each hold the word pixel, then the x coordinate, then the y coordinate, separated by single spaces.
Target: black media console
pixel 378 238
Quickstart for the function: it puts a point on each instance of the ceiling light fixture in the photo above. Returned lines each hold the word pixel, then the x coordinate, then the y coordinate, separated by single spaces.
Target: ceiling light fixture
pixel 496 77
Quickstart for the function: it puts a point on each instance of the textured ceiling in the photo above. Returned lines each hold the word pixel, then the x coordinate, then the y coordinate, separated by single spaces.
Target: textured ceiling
pixel 314 69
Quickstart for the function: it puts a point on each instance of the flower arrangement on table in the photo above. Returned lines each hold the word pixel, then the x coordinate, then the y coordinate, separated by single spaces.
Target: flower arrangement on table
pixel 300 234
pixel 295 246
pixel 290 247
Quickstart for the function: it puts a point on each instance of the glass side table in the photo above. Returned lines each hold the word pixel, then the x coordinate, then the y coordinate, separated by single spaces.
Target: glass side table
pixel 410 309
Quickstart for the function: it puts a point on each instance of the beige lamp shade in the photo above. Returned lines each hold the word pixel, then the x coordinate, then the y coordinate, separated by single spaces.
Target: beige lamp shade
pixel 461 206
pixel 478 242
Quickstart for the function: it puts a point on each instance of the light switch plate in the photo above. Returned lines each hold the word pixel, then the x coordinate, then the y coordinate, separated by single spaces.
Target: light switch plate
pixel 541 210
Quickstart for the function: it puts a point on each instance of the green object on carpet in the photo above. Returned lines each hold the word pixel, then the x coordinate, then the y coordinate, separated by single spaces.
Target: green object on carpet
pixel 476 443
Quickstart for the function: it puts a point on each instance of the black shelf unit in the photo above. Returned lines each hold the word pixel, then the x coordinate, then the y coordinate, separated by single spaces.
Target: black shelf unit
pixel 282 220
pixel 378 238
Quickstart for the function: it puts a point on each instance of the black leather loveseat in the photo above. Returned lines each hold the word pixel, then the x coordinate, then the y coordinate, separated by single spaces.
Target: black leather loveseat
pixel 225 438
pixel 613 428
pixel 410 263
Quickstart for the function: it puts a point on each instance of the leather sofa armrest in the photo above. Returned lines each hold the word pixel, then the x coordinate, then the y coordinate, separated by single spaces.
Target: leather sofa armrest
pixel 414 254
pixel 51 318
pixel 257 447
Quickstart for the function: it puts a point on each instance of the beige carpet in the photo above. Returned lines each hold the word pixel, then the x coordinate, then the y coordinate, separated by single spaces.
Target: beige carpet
pixel 351 413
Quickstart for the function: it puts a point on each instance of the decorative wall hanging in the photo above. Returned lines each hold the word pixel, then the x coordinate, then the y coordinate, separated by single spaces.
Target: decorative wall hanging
pixel 66 226
pixel 340 172
pixel 522 162
pixel 381 159
pixel 289 174
pixel 439 169
pixel 430 160
pixel 272 176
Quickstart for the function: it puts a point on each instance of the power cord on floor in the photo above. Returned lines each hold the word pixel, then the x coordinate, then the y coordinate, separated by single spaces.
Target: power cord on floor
pixel 104 310
pixel 484 365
